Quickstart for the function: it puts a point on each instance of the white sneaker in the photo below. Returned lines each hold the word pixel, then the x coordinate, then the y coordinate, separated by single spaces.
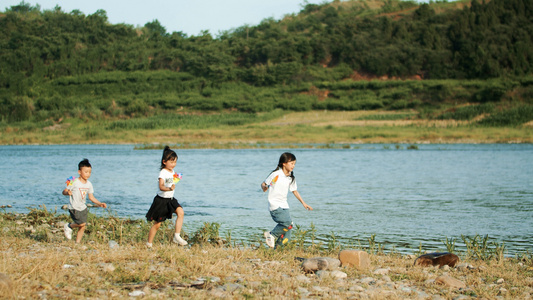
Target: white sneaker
pixel 149 245
pixel 270 240
pixel 68 231
pixel 178 240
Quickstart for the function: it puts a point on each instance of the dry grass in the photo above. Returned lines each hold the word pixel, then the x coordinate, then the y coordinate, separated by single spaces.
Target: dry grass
pixel 65 270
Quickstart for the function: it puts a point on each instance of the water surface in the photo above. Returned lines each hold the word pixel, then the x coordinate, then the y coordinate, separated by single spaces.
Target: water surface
pixel 404 197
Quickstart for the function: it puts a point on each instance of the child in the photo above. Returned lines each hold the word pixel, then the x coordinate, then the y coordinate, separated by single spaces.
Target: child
pixel 280 181
pixel 78 192
pixel 164 204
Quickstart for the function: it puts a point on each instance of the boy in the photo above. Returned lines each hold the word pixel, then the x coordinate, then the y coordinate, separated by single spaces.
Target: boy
pixel 78 192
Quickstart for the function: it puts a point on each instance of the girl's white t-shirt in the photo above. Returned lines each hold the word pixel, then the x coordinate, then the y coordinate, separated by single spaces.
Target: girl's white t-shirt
pixel 168 178
pixel 279 186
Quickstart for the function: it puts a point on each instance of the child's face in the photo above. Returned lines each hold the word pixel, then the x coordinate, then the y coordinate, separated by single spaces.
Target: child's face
pixel 85 172
pixel 289 166
pixel 170 164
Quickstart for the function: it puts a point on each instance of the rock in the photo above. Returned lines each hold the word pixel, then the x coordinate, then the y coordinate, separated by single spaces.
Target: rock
pixel 64 207
pixel 450 282
pixel 311 265
pixel 108 268
pixel 354 258
pixel 500 281
pixel 381 271
pixel 368 280
pixel 231 287
pixel 338 274
pixel 302 278
pixel 136 294
pixel 322 273
pixel 113 245
pixel 437 259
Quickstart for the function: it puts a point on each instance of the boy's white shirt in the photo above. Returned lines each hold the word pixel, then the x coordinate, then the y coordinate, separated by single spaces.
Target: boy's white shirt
pixel 277 192
pixel 168 178
pixel 80 193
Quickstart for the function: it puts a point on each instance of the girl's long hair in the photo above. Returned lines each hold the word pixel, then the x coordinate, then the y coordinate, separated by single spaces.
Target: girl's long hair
pixel 168 154
pixel 285 158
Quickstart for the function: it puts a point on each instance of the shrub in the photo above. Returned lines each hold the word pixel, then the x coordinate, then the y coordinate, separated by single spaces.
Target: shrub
pixel 512 117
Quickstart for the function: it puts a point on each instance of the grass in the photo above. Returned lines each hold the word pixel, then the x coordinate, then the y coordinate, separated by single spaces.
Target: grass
pixel 275 129
pixel 40 263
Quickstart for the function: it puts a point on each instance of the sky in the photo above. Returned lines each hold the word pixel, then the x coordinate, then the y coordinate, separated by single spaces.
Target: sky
pixel 188 16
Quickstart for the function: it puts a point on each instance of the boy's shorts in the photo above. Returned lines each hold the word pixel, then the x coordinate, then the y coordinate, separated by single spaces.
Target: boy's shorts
pixel 78 216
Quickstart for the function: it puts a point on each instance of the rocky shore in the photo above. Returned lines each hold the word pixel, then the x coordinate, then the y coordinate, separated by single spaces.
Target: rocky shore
pixel 37 262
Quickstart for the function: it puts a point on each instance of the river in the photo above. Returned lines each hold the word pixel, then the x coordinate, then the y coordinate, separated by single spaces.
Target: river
pixel 405 198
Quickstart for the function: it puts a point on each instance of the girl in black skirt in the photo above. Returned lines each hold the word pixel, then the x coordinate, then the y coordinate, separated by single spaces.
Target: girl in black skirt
pixel 164 204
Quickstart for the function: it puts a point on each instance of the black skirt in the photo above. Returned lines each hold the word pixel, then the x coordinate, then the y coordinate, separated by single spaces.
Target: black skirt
pixel 162 209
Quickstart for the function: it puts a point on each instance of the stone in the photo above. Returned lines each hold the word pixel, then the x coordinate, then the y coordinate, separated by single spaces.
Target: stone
pixel 108 268
pixel 136 294
pixel 338 274
pixel 450 282
pixel 437 259
pixel 381 271
pixel 354 258
pixel 113 245
pixel 311 265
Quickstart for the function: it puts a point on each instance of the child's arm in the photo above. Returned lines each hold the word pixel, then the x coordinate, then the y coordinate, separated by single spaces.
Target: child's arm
pixel 297 195
pixel 264 186
pixel 163 188
pixel 95 201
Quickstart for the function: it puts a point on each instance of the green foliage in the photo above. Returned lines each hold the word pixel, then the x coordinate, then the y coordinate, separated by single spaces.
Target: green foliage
pixel 515 116
pixel 55 64
pixel 468 112
pixel 481 248
pixel 207 234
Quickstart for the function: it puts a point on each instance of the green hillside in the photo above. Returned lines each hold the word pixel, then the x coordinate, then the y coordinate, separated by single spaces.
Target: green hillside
pixel 457 60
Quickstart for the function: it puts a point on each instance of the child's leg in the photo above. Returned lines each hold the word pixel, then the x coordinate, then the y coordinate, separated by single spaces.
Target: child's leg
pixel 179 220
pixel 282 230
pixel 81 230
pixel 153 231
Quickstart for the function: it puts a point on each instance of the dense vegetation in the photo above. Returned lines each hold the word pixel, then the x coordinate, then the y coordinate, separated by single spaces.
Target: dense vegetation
pixel 473 58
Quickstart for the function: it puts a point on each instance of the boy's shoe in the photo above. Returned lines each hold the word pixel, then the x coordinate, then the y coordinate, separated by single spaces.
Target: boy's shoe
pixel 68 231
pixel 270 240
pixel 178 240
pixel 149 245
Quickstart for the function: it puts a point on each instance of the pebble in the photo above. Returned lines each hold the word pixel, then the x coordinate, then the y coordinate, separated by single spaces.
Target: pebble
pixel 303 278
pixel 113 245
pixel 381 271
pixel 368 280
pixel 136 293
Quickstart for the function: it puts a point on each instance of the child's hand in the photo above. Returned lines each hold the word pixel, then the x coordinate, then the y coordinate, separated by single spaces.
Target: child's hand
pixel 67 192
pixel 102 204
pixel 172 187
pixel 307 206
pixel 264 187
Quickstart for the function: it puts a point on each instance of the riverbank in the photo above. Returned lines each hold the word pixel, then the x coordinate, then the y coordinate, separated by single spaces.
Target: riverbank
pixel 112 262
pixel 277 129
